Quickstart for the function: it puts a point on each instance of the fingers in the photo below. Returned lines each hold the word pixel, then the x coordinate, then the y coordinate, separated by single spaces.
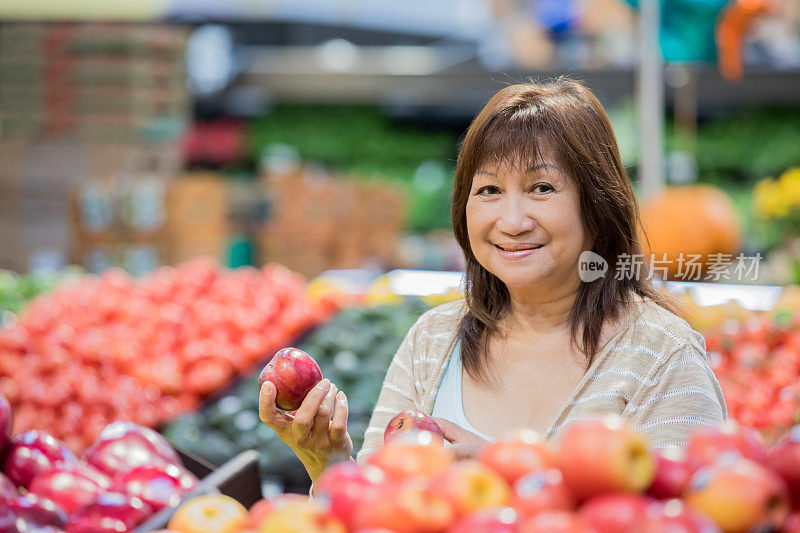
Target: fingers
pixel 452 432
pixel 323 418
pixel 339 422
pixel 267 412
pixel 304 416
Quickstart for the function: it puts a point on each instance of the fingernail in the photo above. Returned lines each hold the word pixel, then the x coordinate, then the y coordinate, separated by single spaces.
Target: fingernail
pixel 340 396
pixel 324 384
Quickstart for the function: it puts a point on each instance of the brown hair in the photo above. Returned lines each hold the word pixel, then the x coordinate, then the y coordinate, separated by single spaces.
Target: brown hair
pixel 513 127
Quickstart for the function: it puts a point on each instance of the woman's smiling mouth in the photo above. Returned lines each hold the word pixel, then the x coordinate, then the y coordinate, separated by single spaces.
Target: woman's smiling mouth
pixel 516 250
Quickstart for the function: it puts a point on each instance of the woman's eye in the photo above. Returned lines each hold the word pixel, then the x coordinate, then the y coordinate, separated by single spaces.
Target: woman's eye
pixel 543 188
pixel 487 190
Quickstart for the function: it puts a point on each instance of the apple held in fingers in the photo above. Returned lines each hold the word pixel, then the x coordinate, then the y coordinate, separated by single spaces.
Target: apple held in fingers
pixel 294 373
pixel 604 456
pixel 411 420
pixel 739 495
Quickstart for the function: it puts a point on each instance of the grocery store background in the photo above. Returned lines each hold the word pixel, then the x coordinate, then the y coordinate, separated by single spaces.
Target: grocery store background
pixel 151 152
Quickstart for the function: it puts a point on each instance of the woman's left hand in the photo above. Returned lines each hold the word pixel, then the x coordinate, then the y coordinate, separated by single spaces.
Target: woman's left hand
pixel 466 445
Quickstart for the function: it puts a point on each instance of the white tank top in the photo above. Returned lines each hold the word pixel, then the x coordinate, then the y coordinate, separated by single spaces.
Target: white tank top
pixel 449 402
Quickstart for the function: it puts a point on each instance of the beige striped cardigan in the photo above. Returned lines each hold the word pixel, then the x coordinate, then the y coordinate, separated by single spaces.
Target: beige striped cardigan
pixel 654 372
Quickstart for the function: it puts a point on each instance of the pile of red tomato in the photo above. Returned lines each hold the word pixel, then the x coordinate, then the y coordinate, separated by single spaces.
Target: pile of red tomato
pixel 113 347
pixel 757 362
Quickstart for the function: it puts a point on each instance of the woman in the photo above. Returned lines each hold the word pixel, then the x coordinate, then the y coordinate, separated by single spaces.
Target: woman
pixel 538 182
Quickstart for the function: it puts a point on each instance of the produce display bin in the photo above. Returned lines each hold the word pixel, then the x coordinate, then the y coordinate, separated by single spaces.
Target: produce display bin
pixel 239 478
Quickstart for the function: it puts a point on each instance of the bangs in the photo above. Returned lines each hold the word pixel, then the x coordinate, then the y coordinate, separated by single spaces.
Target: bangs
pixel 515 138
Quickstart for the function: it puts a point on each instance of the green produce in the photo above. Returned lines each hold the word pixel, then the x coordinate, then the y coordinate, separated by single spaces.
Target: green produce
pixel 353 350
pixel 16 290
pixel 372 145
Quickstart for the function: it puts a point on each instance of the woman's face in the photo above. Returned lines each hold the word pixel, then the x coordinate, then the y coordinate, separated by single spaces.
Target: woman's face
pixel 525 226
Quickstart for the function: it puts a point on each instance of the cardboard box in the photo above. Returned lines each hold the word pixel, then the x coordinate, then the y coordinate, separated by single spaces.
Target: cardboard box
pixel 181 250
pixel 197 205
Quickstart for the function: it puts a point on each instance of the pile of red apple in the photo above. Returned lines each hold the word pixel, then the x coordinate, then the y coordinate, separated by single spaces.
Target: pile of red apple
pixel 128 474
pixel 600 477
pixel 757 363
pixel 99 349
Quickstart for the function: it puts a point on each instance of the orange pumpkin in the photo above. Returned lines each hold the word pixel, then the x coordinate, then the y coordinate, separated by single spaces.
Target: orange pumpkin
pixel 695 219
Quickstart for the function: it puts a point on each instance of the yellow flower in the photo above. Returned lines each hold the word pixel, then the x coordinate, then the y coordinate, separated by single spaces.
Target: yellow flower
pixel 790 186
pixel 769 199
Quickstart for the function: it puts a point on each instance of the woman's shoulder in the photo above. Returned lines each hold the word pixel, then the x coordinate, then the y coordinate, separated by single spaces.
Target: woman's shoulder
pixel 442 318
pixel 654 327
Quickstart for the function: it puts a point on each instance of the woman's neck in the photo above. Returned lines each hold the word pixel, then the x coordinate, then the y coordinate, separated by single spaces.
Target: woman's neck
pixel 540 315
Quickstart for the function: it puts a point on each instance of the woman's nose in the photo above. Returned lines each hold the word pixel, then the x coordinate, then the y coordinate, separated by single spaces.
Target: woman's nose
pixel 515 219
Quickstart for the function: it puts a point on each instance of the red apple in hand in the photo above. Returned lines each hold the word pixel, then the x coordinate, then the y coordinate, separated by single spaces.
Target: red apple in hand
pixel 603 456
pixel 158 486
pixel 6 423
pixel 294 373
pixel 411 419
pixel 109 513
pixel 739 495
pixel 34 452
pixel 68 486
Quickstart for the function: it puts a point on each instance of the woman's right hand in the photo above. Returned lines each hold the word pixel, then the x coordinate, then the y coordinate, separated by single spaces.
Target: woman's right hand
pixel 309 431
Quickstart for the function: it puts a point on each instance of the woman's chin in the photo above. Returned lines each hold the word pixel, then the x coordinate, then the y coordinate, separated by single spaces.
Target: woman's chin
pixel 521 283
